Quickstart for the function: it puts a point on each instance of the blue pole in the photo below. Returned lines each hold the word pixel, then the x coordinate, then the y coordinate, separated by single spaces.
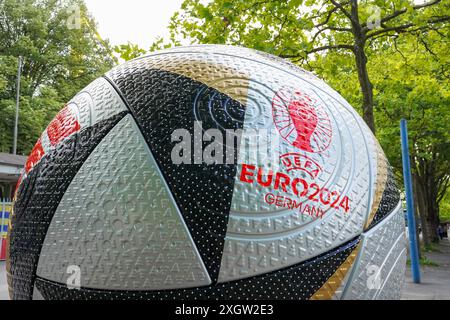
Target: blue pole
pixel 414 252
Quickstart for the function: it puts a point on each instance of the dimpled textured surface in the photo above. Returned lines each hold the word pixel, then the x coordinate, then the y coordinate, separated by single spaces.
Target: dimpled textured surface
pixel 98 101
pixel 380 266
pixel 261 237
pixel 294 283
pixel 389 200
pixel 162 102
pixel 292 243
pixel 306 244
pixel 39 196
pixel 132 236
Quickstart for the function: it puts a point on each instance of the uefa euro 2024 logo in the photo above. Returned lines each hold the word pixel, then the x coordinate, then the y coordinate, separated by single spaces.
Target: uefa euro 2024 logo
pixel 301 120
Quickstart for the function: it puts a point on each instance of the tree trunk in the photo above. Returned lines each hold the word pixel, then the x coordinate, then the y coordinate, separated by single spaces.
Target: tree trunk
pixel 432 214
pixel 366 85
pixel 417 208
pixel 361 65
pixel 419 204
pixel 428 206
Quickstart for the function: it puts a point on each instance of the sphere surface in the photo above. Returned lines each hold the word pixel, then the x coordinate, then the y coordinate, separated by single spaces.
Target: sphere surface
pixel 207 172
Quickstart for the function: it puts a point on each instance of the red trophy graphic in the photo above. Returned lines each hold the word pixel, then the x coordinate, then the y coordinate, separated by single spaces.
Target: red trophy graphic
pixel 301 120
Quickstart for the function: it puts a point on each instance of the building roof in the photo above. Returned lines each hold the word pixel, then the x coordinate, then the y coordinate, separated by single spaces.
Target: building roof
pixel 13 159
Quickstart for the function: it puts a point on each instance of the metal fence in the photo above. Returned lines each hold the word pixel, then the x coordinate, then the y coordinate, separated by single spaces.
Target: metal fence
pixel 5 213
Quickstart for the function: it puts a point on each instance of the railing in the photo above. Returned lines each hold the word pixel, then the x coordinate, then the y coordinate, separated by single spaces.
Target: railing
pixel 5 213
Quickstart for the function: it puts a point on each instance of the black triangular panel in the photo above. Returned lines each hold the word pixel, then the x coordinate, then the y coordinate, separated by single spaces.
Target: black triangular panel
pixel 162 102
pixel 38 198
pixel 297 282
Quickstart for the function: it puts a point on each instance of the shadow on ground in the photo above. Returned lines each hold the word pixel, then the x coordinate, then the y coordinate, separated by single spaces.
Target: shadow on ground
pixel 3 284
pixel 435 280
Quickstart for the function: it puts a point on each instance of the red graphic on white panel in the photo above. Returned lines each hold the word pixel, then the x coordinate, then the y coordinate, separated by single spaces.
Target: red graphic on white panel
pixel 35 156
pixel 62 126
pixel 301 120
pixel 296 161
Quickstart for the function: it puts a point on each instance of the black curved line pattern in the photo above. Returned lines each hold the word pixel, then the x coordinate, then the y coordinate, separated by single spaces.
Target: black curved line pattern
pixel 297 282
pixel 389 199
pixel 162 102
pixel 38 198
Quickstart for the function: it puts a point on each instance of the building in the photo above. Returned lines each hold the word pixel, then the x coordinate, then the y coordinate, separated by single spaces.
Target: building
pixel 10 167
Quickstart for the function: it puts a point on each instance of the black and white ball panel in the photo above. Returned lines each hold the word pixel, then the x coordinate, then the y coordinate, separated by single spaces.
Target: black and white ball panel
pixel 302 217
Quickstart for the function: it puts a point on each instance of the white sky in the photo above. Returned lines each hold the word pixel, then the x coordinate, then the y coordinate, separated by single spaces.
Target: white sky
pixel 137 21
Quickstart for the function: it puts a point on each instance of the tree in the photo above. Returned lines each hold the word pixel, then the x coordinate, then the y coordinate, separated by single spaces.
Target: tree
pixel 417 88
pixel 62 53
pixel 410 79
pixel 383 56
pixel 444 210
pixel 297 29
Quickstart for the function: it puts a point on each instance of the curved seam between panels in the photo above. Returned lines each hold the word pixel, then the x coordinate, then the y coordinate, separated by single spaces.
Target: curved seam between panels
pixel 355 267
pixel 158 165
pixel 363 246
pixel 371 178
pixel 391 250
pixel 379 223
pixel 374 225
pixel 125 102
pixel 172 198
pixel 120 115
pixel 342 282
pixel 355 241
pixel 343 247
pixel 390 272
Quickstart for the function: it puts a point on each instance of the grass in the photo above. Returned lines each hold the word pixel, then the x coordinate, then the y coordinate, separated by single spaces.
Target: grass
pixel 424 262
pixel 432 247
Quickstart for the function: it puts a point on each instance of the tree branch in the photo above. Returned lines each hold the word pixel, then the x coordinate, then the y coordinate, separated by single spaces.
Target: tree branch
pixel 330 47
pixel 398 29
pixel 327 19
pixel 280 30
pixel 444 184
pixel 427 48
pixel 405 27
pixel 318 49
pixel 397 13
pixel 345 12
pixel 329 28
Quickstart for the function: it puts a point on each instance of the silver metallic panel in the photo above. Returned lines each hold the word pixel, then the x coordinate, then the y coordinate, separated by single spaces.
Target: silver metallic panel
pixel 37 295
pixel 381 263
pixel 340 290
pixel 98 101
pixel 392 287
pixel 263 237
pixel 45 141
pixel 118 223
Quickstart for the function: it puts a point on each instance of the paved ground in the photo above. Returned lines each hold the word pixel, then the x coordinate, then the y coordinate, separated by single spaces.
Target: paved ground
pixel 435 280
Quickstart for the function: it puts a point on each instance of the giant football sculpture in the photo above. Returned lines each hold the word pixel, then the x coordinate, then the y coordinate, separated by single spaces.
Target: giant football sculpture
pixel 207 172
